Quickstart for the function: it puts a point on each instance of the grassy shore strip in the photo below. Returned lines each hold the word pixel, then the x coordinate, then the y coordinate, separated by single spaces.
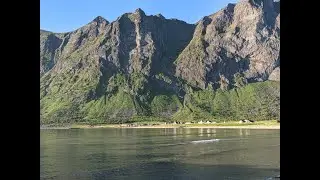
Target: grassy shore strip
pixel 230 124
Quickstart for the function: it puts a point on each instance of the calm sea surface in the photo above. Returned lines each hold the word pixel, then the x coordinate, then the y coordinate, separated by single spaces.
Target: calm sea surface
pixel 141 154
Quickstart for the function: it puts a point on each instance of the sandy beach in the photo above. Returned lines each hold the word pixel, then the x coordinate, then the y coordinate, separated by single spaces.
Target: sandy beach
pixel 163 127
pixel 271 124
pixel 199 127
pixel 239 127
pixel 220 126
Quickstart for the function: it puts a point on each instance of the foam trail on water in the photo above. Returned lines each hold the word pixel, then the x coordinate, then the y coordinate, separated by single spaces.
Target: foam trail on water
pixel 216 140
pixel 232 139
pixel 205 141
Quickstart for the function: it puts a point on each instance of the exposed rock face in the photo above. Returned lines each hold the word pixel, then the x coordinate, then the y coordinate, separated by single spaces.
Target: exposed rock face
pixel 142 64
pixel 56 46
pixel 150 43
pixel 82 65
pixel 48 45
pixel 242 38
pixel 134 42
pixel 275 75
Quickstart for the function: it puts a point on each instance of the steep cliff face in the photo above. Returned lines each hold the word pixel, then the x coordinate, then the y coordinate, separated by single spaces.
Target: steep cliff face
pixel 141 65
pixel 56 46
pixel 241 40
pixel 275 75
pixel 101 59
pixel 149 44
pixel 49 42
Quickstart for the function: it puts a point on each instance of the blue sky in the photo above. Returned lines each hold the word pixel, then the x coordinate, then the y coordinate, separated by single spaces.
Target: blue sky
pixel 68 15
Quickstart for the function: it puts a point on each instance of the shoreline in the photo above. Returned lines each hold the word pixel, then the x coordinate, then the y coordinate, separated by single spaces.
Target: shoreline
pixel 195 126
pixel 200 127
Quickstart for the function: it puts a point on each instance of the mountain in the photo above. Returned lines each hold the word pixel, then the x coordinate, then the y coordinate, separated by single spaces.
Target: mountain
pixel 139 67
pixel 241 40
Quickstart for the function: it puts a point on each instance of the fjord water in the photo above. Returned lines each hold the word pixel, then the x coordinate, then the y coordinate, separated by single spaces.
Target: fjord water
pixel 141 154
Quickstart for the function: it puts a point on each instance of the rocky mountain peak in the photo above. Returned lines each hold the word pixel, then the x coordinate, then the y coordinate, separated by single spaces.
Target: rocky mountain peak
pixel 160 16
pixel 100 20
pixel 140 12
pixel 238 41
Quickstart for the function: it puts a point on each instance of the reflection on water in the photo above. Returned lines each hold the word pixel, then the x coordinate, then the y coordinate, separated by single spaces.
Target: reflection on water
pixel 247 132
pixel 244 132
pixel 140 154
pixel 188 132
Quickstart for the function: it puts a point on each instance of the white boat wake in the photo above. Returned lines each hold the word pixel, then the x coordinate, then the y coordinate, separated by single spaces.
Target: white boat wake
pixel 205 141
pixel 215 140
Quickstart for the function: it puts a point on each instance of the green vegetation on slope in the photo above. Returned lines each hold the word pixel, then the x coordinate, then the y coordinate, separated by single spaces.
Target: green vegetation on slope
pixel 148 68
pixel 257 101
pixel 110 110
